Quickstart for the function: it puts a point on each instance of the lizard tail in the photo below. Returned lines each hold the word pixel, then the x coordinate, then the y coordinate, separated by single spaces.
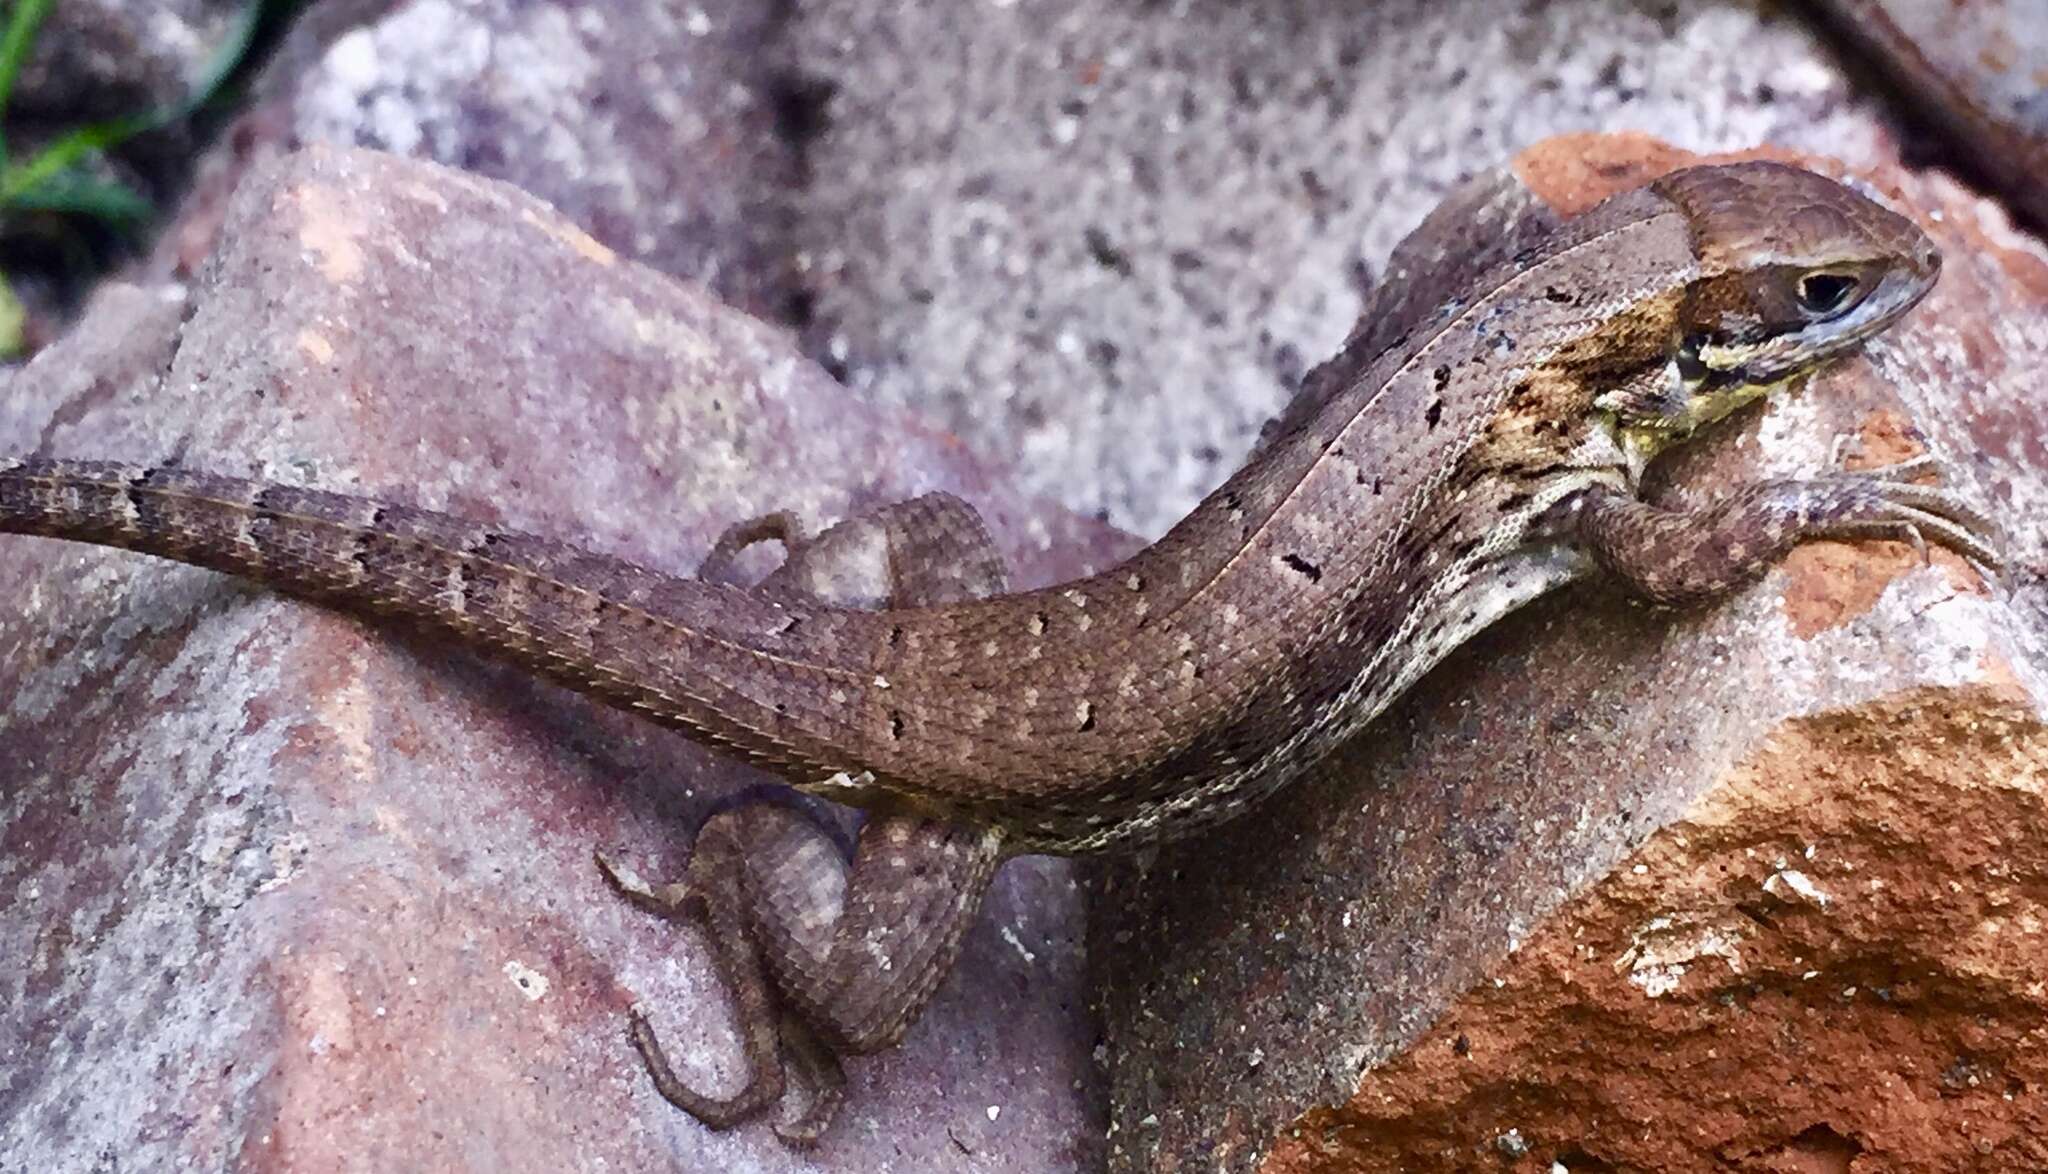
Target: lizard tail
pixel 689 654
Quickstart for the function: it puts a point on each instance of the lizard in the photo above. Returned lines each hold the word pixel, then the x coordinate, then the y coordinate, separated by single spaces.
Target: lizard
pixel 1491 454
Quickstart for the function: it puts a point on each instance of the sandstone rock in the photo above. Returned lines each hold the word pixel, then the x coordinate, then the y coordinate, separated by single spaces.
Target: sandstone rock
pixel 1599 892
pixel 278 890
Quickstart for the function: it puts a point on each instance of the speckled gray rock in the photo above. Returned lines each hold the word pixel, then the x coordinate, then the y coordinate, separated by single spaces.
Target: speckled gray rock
pixel 1251 980
pixel 652 126
pixel 278 890
pixel 1103 239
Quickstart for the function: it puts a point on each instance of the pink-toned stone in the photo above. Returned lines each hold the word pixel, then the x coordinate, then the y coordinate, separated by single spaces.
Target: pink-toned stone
pixel 283 891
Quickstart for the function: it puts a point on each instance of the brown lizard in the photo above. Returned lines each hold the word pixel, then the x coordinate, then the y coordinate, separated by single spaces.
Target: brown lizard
pixel 1488 456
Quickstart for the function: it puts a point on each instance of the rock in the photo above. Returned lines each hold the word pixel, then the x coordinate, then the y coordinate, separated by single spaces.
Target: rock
pixel 1833 957
pixel 281 889
pixel 652 126
pixel 1979 71
pixel 101 59
pixel 1599 892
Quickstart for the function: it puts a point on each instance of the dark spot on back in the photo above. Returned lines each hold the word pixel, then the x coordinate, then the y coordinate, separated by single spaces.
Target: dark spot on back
pixel 261 502
pixel 1553 294
pixel 895 723
pixel 1435 414
pixel 1087 716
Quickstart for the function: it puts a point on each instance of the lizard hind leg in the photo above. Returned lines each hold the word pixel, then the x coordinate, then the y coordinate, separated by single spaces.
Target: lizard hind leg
pixel 824 958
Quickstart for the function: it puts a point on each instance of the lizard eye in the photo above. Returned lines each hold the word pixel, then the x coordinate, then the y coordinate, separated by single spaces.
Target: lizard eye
pixel 1821 294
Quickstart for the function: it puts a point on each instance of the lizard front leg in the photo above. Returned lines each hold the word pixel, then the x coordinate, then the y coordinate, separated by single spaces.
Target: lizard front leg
pixel 1678 556
pixel 824 958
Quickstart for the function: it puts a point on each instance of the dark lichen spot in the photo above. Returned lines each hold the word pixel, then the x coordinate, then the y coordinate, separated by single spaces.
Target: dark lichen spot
pixel 1105 253
pixel 1087 716
pixel 1303 567
pixel 896 635
pixel 895 723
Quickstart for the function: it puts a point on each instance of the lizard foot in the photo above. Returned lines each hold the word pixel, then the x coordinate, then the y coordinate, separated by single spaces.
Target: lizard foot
pixel 824 958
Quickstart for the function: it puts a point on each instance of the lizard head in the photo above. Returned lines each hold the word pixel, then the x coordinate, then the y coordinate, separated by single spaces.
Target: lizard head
pixel 1794 269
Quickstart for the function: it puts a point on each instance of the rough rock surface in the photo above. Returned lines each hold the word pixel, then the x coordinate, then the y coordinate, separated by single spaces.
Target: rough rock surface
pixel 652 126
pixel 1855 716
pixel 1976 69
pixel 280 891
pixel 1832 962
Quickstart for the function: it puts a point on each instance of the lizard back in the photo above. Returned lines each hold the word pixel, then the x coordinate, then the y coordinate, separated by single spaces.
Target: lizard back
pixel 1286 610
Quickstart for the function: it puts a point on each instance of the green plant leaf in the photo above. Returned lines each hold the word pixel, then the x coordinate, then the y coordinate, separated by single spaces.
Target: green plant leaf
pixel 13 323
pixel 82 193
pixel 15 42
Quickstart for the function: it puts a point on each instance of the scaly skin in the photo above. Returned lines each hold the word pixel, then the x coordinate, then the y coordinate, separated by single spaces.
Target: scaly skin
pixel 1491 455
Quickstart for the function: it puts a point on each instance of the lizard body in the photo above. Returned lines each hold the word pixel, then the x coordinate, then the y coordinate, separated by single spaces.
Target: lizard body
pixel 1490 455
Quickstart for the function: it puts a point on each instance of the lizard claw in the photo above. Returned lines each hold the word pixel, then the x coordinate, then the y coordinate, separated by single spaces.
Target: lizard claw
pixel 667 900
pixel 1889 502
pixel 1910 469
